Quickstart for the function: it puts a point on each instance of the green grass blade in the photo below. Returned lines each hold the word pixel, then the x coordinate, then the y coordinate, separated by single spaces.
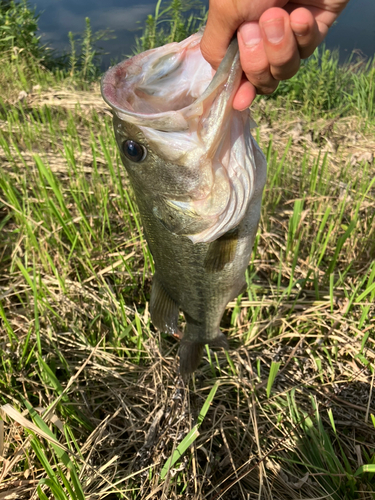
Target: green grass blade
pixel 272 375
pixel 364 468
pixel 191 436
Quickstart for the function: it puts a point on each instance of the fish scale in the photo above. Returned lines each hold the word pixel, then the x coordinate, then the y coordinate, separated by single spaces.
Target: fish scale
pixel 198 177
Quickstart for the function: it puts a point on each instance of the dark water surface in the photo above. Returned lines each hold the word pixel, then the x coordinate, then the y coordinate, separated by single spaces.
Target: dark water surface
pixel 355 28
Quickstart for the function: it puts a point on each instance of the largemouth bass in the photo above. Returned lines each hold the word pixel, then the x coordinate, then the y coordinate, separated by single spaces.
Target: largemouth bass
pixel 198 176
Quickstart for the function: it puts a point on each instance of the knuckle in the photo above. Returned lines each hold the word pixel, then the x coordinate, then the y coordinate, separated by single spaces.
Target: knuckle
pixel 267 89
pixel 257 72
pixel 284 74
pixel 285 60
pixel 283 70
pixel 306 52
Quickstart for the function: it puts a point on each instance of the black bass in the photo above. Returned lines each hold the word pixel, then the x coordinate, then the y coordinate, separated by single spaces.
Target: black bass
pixel 198 177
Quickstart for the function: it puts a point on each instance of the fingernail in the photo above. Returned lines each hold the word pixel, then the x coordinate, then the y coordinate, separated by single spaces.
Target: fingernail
pixel 250 34
pixel 274 30
pixel 300 29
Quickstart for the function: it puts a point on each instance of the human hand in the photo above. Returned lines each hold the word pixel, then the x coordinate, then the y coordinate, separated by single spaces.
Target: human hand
pixel 273 36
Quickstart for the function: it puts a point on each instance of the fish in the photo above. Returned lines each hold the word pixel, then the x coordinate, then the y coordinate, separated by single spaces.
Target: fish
pixel 198 177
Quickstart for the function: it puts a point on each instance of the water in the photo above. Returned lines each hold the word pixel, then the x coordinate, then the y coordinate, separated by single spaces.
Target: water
pixel 355 28
pixel 124 17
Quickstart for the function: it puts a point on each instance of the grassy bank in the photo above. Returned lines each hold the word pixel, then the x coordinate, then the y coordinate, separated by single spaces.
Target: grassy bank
pixel 94 407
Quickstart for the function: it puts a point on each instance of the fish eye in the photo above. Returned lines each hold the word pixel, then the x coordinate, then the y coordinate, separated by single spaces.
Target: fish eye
pixel 134 151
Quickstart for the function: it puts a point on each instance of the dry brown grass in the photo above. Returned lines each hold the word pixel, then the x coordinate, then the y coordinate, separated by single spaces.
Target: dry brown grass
pixel 120 397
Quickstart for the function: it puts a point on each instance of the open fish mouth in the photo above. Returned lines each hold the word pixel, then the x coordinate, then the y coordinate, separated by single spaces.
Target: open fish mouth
pixel 154 88
pixel 186 115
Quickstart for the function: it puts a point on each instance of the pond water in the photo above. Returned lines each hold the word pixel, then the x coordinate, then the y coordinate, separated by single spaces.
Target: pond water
pixel 355 28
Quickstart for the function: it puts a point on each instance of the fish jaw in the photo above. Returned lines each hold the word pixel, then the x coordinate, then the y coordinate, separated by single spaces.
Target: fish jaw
pixel 190 122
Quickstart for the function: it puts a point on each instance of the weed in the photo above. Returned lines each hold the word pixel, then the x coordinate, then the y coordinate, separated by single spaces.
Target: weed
pixel 321 82
pixel 91 403
pixel 18 27
pixel 170 24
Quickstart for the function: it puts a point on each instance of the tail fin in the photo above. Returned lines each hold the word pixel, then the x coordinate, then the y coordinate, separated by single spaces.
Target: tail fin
pixel 191 352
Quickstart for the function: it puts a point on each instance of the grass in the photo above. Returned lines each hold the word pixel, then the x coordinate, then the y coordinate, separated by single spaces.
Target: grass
pixel 324 87
pixel 172 22
pixel 106 412
pixel 91 403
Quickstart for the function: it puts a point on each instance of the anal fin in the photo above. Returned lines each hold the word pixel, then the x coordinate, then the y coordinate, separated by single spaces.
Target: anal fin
pixel 163 309
pixel 190 356
pixel 221 251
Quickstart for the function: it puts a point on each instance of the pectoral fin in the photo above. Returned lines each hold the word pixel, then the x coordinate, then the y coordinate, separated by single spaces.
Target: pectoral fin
pixel 221 251
pixel 163 309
